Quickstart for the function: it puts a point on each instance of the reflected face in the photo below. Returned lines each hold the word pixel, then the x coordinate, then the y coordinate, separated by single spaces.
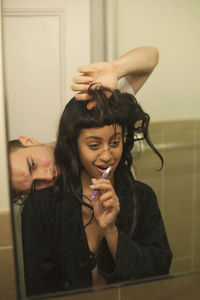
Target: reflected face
pixel 99 148
pixel 33 164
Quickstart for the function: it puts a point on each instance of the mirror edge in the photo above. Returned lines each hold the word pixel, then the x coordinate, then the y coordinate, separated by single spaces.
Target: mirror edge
pixel 7 256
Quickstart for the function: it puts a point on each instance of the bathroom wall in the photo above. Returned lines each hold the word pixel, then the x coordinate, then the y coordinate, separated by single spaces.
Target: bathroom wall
pixel 173 91
pixel 176 186
pixel 171 97
pixel 44 43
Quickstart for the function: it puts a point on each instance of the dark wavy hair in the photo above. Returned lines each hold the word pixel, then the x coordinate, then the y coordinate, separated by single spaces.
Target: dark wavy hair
pixel 120 108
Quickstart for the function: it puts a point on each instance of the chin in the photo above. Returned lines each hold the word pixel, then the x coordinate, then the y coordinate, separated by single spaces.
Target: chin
pixel 44 186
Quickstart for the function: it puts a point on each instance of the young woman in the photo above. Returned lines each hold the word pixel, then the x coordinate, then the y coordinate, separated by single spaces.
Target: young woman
pixel 71 241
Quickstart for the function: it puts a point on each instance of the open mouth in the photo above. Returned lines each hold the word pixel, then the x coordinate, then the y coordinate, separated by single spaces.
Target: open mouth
pixel 102 169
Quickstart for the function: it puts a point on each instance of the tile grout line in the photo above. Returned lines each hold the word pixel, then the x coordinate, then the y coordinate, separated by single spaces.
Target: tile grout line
pixel 6 247
pixel 194 194
pixel 119 294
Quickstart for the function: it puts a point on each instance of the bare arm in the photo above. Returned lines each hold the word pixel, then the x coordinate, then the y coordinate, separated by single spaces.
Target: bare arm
pixel 136 66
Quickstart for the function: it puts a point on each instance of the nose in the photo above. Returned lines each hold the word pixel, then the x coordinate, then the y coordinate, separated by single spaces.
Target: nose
pixel 106 155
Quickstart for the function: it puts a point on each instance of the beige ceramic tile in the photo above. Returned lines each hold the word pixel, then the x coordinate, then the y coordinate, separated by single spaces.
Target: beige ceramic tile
pixel 5 229
pixel 146 165
pixel 196 263
pixel 178 197
pixel 196 243
pixel 197 129
pixel 197 194
pixel 180 236
pixel 179 131
pixel 156 132
pixel 197 158
pixel 181 287
pixel 178 161
pixel 106 294
pixel 7 275
pixel 181 265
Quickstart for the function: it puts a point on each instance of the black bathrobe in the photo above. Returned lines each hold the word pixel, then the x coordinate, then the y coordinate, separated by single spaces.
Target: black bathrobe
pixel 55 249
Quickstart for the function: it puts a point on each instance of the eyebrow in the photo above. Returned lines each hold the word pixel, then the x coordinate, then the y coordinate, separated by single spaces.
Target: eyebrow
pixel 99 138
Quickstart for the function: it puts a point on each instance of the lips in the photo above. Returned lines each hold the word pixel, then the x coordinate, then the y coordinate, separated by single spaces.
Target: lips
pixel 102 169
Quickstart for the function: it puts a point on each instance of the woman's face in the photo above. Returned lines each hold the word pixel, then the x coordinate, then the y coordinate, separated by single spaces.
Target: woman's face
pixel 100 148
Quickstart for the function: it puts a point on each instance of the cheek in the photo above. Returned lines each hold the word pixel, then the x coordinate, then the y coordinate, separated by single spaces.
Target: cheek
pixel 45 159
pixel 83 155
pixel 118 153
pixel 87 158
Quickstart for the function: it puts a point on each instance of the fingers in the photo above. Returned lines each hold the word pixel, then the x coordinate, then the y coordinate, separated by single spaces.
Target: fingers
pixel 82 79
pixel 86 97
pixel 107 199
pixel 80 87
pixel 81 83
pixel 102 184
pixel 82 96
pixel 91 104
pixel 86 69
pixel 107 196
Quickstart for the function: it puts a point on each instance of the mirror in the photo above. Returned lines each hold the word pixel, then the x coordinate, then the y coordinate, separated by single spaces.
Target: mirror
pixel 36 34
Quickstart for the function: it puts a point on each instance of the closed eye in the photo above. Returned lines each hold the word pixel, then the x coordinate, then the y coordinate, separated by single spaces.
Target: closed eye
pixel 94 146
pixel 32 164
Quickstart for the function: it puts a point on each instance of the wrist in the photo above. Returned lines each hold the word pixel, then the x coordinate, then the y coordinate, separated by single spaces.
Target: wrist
pixel 118 68
pixel 110 230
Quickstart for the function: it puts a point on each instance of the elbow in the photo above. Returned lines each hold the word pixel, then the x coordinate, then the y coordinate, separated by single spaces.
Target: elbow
pixel 155 57
pixel 150 58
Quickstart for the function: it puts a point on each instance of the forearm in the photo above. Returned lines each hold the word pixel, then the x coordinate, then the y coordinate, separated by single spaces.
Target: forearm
pixel 139 61
pixel 136 66
pixel 111 236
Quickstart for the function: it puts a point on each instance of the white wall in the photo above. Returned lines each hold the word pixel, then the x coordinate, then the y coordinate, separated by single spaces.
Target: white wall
pixel 44 42
pixel 173 26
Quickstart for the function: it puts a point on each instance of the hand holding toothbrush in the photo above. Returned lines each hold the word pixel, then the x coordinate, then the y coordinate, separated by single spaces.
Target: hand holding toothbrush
pixel 105 202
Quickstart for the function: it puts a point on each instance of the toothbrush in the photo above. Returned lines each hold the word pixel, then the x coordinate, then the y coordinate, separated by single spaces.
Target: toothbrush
pixel 104 176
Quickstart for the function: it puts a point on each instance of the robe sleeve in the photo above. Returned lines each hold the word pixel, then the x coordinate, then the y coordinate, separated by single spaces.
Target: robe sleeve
pixel 41 269
pixel 142 251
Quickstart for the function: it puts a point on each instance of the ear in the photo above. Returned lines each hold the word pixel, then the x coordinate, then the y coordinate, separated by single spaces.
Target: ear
pixel 27 141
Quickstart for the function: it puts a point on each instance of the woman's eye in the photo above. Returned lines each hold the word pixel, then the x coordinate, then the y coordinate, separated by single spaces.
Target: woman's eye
pixel 94 146
pixel 32 164
pixel 115 143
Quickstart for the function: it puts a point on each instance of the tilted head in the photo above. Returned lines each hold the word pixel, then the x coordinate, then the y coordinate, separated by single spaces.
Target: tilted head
pixel 31 163
pixel 121 111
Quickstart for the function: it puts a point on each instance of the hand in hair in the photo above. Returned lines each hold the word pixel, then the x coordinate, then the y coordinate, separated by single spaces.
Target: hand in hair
pixel 103 73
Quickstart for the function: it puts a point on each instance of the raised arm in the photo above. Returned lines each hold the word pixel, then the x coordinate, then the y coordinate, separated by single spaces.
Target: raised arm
pixel 136 66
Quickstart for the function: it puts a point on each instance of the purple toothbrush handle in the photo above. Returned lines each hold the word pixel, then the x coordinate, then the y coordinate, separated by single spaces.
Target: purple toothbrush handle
pixel 94 193
pixel 104 176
